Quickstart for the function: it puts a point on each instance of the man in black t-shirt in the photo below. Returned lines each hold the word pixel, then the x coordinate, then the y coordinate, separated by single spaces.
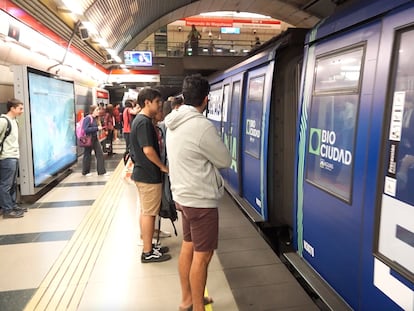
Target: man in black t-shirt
pixel 147 170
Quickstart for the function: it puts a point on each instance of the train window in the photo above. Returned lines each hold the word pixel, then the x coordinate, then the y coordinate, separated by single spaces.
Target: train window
pixel 333 122
pixel 214 105
pixel 339 71
pixel 254 115
pixel 395 229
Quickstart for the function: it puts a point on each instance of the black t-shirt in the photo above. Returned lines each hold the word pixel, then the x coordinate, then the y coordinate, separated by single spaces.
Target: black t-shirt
pixel 143 135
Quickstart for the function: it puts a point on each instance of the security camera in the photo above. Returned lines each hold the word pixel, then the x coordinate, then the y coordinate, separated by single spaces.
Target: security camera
pixel 180 29
pixel 254 31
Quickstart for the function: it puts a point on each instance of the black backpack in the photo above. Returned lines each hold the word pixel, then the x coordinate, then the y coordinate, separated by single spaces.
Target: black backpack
pixel 7 133
pixel 167 209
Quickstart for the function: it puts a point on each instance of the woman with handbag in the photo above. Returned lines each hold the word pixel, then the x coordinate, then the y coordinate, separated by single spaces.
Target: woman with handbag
pixel 91 127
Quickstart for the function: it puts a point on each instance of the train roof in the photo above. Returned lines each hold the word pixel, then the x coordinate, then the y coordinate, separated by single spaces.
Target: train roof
pixel 350 14
pixel 264 53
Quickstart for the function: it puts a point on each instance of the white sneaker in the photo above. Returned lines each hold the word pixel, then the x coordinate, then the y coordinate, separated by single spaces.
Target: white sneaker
pixel 154 241
pixel 163 234
pixel 88 175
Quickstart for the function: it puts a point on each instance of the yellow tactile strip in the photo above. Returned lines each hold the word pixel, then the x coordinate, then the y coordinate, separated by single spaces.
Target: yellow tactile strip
pixel 63 286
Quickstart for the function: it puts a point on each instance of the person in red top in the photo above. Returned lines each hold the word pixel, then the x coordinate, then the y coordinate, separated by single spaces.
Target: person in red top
pixel 109 122
pixel 127 117
pixel 118 124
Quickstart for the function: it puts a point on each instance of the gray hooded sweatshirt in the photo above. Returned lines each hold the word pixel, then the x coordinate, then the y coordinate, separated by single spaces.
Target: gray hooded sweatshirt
pixel 195 153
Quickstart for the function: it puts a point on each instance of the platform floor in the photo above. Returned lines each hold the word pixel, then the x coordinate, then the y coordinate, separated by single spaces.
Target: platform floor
pixel 77 249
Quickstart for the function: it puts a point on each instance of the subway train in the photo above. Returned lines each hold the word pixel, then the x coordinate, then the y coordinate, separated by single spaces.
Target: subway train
pixel 320 127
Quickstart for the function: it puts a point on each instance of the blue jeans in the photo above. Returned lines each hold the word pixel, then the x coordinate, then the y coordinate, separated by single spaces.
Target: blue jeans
pixel 8 187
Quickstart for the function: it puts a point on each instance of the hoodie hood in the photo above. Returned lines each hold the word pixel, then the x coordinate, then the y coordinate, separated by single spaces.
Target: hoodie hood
pixel 180 116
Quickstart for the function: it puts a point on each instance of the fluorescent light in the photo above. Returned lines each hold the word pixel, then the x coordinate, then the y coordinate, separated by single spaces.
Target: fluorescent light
pixel 73 6
pixel 91 27
pixel 102 42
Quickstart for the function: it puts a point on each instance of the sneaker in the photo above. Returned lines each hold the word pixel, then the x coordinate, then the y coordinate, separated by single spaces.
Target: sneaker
pixel 154 256
pixel 161 249
pixel 87 175
pixel 20 209
pixel 163 234
pixel 106 174
pixel 13 214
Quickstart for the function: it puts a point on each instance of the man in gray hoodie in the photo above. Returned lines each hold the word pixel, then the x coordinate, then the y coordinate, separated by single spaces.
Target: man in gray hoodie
pixel 195 152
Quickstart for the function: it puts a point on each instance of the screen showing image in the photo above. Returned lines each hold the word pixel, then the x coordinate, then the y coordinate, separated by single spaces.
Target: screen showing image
pixel 138 58
pixel 231 30
pixel 52 117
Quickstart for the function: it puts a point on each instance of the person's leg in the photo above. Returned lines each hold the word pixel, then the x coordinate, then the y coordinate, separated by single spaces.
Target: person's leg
pixel 8 170
pixel 126 136
pixel 147 232
pixel 198 278
pixel 184 267
pixel 86 161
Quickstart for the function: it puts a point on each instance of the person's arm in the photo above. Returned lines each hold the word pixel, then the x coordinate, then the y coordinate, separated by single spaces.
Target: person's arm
pixel 214 149
pixel 88 125
pixel 152 155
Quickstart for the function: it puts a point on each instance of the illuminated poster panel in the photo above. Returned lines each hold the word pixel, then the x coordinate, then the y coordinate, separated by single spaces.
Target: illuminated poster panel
pixel 46 128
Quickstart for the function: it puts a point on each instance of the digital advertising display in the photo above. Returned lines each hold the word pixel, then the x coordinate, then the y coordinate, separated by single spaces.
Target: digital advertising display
pixel 138 58
pixel 52 121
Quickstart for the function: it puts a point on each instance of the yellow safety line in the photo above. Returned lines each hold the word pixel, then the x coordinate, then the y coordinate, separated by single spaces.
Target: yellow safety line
pixel 208 307
pixel 63 286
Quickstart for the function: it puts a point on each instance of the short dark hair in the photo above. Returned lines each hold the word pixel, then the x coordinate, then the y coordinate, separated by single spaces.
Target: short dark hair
pixel 13 103
pixel 147 93
pixel 128 103
pixel 177 101
pixel 195 89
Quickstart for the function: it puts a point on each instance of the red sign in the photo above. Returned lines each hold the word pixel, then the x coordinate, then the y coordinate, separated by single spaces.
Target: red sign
pixel 226 22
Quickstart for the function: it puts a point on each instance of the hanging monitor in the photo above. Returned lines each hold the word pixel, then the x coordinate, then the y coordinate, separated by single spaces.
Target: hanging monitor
pixel 138 58
pixel 230 30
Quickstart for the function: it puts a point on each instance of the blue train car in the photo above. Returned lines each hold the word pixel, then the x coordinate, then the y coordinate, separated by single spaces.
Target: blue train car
pixel 354 190
pixel 254 105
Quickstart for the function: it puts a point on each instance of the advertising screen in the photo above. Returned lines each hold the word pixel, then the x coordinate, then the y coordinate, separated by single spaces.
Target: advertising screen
pixel 52 118
pixel 138 58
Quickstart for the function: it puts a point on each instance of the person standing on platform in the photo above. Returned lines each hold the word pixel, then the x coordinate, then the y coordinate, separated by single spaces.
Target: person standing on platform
pixel 118 123
pixel 195 153
pixel 127 117
pixel 193 38
pixel 92 125
pixel 145 153
pixel 9 160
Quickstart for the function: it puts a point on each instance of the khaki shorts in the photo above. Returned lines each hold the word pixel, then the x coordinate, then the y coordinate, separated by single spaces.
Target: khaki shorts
pixel 149 198
pixel 200 226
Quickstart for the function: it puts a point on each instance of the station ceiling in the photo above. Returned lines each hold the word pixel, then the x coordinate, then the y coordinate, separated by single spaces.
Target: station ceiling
pixel 125 23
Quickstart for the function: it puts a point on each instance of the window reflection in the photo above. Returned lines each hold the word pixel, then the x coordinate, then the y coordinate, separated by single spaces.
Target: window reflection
pixel 404 88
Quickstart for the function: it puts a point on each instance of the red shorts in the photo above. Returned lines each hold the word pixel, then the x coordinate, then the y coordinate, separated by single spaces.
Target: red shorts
pixel 200 226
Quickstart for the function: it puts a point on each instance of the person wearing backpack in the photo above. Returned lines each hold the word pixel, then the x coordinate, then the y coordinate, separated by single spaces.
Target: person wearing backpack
pixel 9 159
pixel 91 126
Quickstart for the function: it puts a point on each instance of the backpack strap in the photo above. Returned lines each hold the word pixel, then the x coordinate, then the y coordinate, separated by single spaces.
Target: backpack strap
pixel 6 133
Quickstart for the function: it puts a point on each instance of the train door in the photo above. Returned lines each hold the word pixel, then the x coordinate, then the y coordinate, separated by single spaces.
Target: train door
pixel 254 138
pixel 394 230
pixel 336 107
pixel 231 127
